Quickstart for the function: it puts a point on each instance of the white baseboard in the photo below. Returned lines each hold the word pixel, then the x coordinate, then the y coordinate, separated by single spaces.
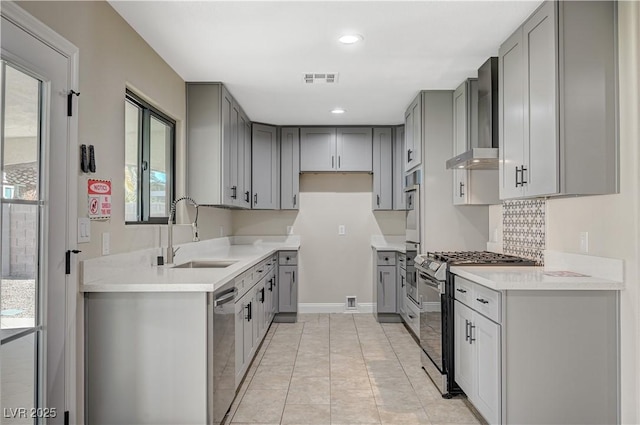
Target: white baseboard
pixel 334 308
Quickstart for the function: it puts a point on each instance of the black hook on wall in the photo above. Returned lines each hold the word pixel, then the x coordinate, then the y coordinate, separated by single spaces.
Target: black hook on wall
pixel 70 102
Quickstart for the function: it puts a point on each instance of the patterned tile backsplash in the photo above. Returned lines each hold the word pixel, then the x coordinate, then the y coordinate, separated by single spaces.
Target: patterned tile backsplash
pixel 524 229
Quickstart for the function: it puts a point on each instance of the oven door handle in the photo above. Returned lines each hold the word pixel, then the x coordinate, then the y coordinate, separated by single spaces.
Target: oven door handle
pixel 431 282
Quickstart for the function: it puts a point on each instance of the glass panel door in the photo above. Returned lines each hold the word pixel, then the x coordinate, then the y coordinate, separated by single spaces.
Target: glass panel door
pixel 20 250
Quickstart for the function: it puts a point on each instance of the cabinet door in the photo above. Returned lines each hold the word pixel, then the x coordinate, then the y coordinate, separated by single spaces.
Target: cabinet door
pixel 355 151
pixel 229 148
pixel 266 170
pixel 540 44
pixel 288 289
pixel 290 171
pixel 382 169
pixel 258 325
pixel 244 162
pixel 464 356
pixel 487 394
pixel 413 134
pixel 386 292
pixel 511 78
pixel 399 201
pixel 318 149
pixel 248 304
pixel 461 140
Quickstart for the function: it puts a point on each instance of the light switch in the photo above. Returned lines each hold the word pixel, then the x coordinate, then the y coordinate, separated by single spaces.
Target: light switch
pixel 341 230
pixel 84 230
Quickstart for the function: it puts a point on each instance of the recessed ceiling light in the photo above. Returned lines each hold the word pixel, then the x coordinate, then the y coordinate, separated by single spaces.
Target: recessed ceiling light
pixel 460 166
pixel 338 111
pixel 476 160
pixel 350 38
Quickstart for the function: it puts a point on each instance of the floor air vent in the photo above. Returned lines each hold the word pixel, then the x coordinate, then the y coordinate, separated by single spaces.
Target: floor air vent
pixel 320 78
pixel 352 303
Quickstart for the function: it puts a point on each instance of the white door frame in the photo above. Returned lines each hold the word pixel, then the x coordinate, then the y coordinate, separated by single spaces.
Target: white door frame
pixel 46 35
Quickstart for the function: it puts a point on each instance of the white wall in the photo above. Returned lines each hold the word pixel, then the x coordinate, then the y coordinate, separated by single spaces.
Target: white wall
pixel 330 266
pixel 612 221
pixel 112 57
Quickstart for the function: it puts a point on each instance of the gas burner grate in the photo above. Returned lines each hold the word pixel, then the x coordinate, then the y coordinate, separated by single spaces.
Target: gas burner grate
pixel 478 257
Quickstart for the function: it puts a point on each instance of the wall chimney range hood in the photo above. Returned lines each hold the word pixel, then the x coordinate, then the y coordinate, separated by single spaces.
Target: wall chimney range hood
pixel 485 155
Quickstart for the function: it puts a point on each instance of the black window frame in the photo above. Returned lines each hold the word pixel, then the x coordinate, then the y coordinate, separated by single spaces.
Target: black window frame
pixel 144 172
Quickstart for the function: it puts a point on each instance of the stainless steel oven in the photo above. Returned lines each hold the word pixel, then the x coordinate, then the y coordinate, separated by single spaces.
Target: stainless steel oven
pixel 433 300
pixel 412 194
pixel 412 249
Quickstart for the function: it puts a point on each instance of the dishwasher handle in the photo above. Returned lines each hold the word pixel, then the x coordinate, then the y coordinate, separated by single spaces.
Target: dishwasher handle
pixel 225 298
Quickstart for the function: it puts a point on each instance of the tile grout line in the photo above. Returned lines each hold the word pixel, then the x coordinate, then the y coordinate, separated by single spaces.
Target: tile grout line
pixel 284 406
pixel 367 369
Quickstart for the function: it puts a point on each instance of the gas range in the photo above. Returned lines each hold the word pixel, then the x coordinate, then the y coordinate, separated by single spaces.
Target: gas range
pixel 436 264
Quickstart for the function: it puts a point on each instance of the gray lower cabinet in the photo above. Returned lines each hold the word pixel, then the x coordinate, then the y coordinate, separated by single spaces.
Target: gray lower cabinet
pixel 385 286
pixel 289 168
pixel 382 196
pixel 386 297
pixel 558 133
pixel 546 339
pixel 265 168
pixel 287 286
pixel 288 291
pixel 398 169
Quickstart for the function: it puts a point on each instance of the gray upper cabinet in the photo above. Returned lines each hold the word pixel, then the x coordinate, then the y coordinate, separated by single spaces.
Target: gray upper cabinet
pixel 558 118
pixel 413 134
pixel 470 187
pixel 216 171
pixel 290 168
pixel 382 169
pixel 354 148
pixel 317 149
pixel 265 168
pixel 244 161
pixel 330 149
pixel 399 201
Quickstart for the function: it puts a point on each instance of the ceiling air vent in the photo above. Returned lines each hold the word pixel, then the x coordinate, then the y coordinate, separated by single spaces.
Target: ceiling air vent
pixel 320 78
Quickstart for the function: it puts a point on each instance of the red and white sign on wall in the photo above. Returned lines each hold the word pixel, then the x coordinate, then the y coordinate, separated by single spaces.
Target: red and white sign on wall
pixel 99 193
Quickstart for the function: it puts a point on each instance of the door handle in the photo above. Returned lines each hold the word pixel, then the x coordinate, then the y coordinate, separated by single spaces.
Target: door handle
pixel 293 273
pixel 332 161
pixel 247 196
pixel 338 161
pixel 409 152
pixel 294 200
pixel 255 198
pixel 464 291
pixel 461 189
pixel 234 190
pixel 471 328
pixel 517 182
pixel 378 199
pixel 482 300
pixel 522 180
pixel 466 330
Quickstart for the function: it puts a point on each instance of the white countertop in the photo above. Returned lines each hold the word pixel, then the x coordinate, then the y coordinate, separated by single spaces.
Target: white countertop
pixel 389 243
pixel 530 278
pixel 133 272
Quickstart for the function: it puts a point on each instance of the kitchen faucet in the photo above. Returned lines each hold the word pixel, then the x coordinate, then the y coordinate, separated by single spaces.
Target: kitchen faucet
pixel 194 226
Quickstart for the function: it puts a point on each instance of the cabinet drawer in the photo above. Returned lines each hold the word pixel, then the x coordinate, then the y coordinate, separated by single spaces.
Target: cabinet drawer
pixel 413 316
pixel 487 302
pixel 386 258
pixel 464 290
pixel 402 260
pixel 288 258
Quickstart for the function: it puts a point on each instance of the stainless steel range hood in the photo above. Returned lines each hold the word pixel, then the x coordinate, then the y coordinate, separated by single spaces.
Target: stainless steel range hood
pixel 484 156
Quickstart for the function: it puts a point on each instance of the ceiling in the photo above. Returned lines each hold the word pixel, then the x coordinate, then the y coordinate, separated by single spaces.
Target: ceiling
pixel 261 50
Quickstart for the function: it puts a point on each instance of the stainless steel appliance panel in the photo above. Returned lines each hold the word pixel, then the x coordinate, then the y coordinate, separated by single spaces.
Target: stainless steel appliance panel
pixel 412 249
pixel 413 214
pixel 221 358
pixel 431 294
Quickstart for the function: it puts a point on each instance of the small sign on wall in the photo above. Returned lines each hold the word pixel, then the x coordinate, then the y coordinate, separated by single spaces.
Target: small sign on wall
pixel 99 194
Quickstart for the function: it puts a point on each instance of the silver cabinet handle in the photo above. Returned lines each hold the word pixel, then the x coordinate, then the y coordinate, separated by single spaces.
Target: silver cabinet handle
pixel 471 328
pixel 522 180
pixel 225 298
pixel 461 189
pixel 466 330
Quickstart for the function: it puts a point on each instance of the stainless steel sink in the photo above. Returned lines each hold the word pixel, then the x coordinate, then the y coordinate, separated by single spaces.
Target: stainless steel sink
pixel 205 264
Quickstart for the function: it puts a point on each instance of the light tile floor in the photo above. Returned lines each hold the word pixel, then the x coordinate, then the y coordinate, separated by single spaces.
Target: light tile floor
pixel 341 369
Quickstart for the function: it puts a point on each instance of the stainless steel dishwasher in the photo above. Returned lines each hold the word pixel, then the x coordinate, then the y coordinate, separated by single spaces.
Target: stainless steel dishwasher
pixel 221 345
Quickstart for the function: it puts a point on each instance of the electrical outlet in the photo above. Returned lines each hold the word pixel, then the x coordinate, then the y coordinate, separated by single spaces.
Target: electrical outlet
pixel 341 230
pixel 584 242
pixel 106 243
